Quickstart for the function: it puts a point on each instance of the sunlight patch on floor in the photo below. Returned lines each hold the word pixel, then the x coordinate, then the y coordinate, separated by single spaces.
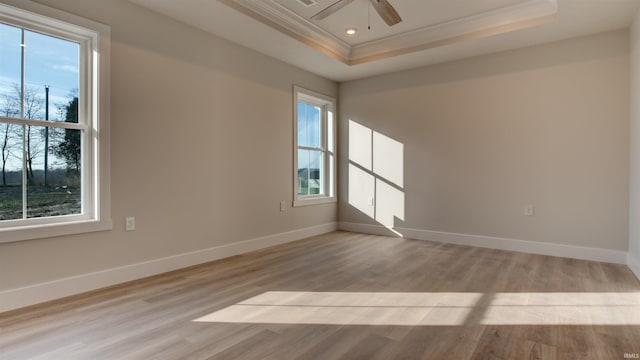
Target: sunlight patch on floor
pixel 564 308
pixel 350 308
pixel 432 309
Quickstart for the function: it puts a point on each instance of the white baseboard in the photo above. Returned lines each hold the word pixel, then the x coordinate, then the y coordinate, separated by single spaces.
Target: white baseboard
pixel 634 264
pixel 38 293
pixel 533 247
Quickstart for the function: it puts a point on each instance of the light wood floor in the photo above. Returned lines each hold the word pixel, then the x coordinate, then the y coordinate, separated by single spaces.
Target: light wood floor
pixel 346 296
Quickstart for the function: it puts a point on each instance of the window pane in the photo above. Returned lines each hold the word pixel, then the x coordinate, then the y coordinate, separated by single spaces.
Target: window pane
pixel 316 173
pixel 309 125
pixel 303 172
pixel 11 185
pixel 53 177
pixel 51 62
pixel 314 126
pixel 10 73
pixel 302 124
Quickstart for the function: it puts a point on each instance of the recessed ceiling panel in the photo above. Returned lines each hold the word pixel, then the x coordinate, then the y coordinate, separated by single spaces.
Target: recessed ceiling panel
pixel 416 14
pixel 425 24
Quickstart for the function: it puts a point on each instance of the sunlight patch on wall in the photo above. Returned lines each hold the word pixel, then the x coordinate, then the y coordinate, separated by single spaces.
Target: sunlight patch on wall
pixel 361 190
pixel 432 309
pixel 360 145
pixel 389 204
pixel 388 156
pixel 376 175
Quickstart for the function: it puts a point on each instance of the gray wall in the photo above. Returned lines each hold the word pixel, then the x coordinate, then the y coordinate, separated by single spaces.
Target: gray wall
pixel 482 137
pixel 201 148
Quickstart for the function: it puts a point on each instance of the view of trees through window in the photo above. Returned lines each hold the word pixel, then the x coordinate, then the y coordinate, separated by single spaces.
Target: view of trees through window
pixel 40 148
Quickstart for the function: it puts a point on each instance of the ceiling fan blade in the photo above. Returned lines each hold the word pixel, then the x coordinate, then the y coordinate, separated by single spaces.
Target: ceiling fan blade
pixel 331 9
pixel 386 12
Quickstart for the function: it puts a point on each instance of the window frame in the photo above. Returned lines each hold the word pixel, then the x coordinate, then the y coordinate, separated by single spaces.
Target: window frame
pixel 327 105
pixel 93 111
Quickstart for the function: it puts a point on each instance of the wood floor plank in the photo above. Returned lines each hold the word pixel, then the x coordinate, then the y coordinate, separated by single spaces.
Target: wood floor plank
pixel 346 296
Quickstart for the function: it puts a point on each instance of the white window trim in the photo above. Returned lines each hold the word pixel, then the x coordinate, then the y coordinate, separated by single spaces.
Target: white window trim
pixel 95 105
pixel 328 104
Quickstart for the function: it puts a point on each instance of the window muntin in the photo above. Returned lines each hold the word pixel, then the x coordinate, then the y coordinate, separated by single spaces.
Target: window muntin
pixel 314 148
pixel 56 58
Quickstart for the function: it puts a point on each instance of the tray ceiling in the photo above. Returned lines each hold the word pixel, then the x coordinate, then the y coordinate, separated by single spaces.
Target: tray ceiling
pixel 432 31
pixel 421 28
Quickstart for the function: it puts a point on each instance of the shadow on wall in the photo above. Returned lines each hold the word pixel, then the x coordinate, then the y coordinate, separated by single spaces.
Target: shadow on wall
pixel 376 175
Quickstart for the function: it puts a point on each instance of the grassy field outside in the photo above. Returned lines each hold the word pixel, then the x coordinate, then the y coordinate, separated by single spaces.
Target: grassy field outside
pixel 41 201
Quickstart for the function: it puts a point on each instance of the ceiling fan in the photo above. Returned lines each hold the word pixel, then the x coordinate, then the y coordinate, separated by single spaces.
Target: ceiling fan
pixel 384 9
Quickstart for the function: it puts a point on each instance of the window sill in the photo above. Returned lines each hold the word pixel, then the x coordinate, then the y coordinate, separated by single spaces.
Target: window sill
pixel 315 201
pixel 50 230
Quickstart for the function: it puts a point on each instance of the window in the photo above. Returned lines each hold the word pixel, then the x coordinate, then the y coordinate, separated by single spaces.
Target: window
pixel 53 123
pixel 314 165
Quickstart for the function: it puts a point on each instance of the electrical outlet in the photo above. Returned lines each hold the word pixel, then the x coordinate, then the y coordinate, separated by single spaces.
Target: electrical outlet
pixel 528 210
pixel 130 223
pixel 283 206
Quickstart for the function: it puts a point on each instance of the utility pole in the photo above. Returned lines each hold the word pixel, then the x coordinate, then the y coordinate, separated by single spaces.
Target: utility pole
pixel 46 134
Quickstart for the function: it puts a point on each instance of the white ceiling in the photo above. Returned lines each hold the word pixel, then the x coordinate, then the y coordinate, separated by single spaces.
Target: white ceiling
pixel 432 31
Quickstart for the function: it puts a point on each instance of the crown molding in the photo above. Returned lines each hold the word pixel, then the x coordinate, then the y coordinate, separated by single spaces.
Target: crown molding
pixel 278 17
pixel 510 18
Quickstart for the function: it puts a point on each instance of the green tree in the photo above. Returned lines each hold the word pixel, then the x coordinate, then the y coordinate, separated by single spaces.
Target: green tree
pixel 69 147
